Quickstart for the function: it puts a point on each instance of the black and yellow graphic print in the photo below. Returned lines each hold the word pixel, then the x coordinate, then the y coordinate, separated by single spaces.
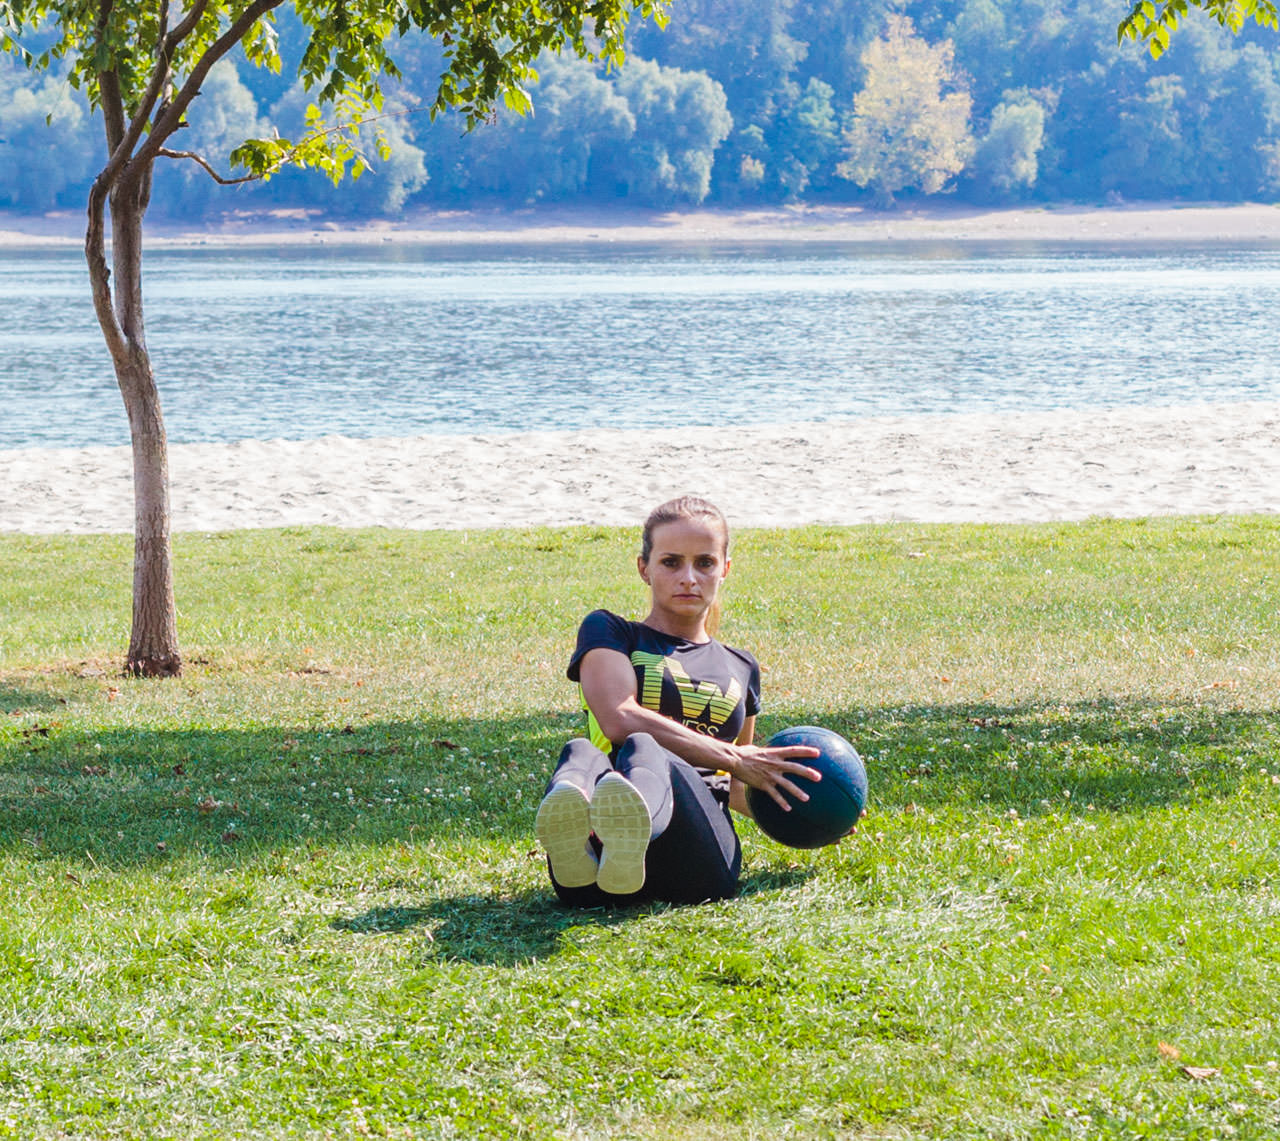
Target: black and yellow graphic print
pixel 704 705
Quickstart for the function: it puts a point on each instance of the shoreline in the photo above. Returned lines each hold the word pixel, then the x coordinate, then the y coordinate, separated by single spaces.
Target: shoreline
pixel 1204 459
pixel 1249 223
pixel 958 467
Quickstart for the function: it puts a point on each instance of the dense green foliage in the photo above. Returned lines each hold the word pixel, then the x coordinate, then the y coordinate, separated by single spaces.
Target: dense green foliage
pixel 294 892
pixel 737 102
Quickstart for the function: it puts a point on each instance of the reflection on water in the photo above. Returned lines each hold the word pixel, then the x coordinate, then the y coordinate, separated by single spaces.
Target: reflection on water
pixel 401 340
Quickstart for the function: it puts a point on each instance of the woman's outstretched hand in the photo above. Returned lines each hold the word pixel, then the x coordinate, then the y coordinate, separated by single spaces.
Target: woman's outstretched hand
pixel 771 769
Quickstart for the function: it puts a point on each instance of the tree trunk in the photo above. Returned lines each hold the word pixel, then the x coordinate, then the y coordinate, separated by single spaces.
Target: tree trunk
pixel 153 641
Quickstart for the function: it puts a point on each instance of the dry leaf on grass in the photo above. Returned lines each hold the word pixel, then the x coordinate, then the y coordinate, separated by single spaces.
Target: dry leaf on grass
pixel 1168 1051
pixel 1200 1073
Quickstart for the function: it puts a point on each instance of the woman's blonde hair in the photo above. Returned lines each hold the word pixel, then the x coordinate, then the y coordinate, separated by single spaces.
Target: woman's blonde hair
pixel 688 507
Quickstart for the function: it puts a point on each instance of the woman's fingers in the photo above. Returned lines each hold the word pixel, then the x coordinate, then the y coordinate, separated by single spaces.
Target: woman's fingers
pixel 797 768
pixel 795 751
pixel 781 782
pixel 775 792
pixel 771 769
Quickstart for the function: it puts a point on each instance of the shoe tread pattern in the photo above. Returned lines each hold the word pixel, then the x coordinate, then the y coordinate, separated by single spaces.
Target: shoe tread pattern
pixel 620 820
pixel 563 828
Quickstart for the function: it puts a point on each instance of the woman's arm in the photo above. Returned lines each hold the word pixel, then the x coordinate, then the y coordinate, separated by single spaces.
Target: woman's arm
pixel 738 790
pixel 609 689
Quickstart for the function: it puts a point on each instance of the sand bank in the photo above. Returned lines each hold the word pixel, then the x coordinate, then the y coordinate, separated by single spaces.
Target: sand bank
pixel 1138 222
pixel 1203 459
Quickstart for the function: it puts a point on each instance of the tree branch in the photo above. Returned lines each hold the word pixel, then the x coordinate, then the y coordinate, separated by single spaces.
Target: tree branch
pixel 168 122
pixel 288 156
pixel 160 72
pixel 109 86
pixel 200 160
pixel 95 252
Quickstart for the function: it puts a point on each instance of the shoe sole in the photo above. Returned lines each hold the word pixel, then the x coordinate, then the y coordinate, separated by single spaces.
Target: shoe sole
pixel 563 828
pixel 620 820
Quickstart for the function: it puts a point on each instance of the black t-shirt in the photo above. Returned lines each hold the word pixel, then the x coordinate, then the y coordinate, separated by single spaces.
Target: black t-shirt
pixel 707 686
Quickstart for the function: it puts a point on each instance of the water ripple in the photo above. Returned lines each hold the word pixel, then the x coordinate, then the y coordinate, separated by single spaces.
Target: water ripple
pixel 304 342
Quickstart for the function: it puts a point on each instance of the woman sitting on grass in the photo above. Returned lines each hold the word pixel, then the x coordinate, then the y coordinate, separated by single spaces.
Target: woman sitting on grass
pixel 641 810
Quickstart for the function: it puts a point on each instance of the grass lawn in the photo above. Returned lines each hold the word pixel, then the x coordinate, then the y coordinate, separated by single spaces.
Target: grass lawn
pixel 295 892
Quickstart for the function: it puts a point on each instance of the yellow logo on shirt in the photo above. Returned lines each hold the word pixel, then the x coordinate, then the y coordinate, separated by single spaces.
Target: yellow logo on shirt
pixel 696 699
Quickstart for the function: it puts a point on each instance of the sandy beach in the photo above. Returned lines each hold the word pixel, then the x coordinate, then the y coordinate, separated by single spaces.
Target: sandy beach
pixel 1206 459
pixel 1120 223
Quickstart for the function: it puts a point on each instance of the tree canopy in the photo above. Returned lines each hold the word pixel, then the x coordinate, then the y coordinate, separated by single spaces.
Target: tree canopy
pixel 910 123
pixel 1060 110
pixel 142 65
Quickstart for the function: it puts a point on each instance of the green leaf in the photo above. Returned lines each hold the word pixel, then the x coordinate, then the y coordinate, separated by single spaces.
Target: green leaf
pixel 517 99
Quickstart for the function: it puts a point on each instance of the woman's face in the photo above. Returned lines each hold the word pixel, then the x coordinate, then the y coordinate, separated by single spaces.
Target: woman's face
pixel 686 566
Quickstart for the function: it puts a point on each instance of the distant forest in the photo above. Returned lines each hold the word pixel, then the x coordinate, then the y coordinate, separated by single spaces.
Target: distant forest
pixel 748 102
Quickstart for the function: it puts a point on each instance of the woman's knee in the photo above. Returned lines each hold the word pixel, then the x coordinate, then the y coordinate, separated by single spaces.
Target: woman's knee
pixel 579 750
pixel 643 749
pixel 581 763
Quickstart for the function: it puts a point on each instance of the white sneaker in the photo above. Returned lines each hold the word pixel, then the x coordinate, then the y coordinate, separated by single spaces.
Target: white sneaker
pixel 620 820
pixel 563 828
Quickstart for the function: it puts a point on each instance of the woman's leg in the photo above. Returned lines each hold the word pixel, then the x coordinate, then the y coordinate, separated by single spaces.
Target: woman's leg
pixel 563 824
pixel 694 854
pixel 659 832
pixel 629 807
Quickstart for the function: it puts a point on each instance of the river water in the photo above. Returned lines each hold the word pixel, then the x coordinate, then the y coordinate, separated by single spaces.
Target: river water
pixel 299 342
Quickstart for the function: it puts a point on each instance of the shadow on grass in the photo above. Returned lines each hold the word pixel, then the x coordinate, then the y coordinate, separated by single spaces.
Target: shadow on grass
pixel 1115 756
pixel 496 931
pixel 138 796
pixel 506 931
pixel 14 700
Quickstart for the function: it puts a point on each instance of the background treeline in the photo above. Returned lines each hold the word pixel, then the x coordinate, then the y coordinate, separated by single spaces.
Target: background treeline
pixel 741 102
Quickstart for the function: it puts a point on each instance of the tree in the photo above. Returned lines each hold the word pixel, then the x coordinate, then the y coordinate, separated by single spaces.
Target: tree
pixel 225 115
pixel 1005 160
pixel 545 156
pixel 382 190
pixel 681 118
pixel 984 47
pixel 907 132
pixel 142 65
pixel 747 48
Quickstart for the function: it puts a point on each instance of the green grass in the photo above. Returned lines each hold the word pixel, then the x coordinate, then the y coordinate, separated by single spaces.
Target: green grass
pixel 295 892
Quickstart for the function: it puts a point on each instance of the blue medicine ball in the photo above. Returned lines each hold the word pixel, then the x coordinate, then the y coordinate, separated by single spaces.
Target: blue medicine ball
pixel 835 802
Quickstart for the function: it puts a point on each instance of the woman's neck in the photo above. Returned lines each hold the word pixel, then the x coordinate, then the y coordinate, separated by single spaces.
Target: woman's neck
pixel 691 630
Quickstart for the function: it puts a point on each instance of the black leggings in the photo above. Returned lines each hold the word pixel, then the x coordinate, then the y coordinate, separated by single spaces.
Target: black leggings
pixel 694 854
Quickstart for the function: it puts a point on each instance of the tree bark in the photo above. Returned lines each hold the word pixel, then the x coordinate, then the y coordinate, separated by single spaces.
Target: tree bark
pixel 153 640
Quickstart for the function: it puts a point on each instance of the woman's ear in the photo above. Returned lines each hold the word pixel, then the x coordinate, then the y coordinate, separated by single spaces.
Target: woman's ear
pixel 643 567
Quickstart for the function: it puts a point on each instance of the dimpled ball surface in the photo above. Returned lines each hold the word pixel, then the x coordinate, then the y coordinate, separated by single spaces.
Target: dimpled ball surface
pixel 835 802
